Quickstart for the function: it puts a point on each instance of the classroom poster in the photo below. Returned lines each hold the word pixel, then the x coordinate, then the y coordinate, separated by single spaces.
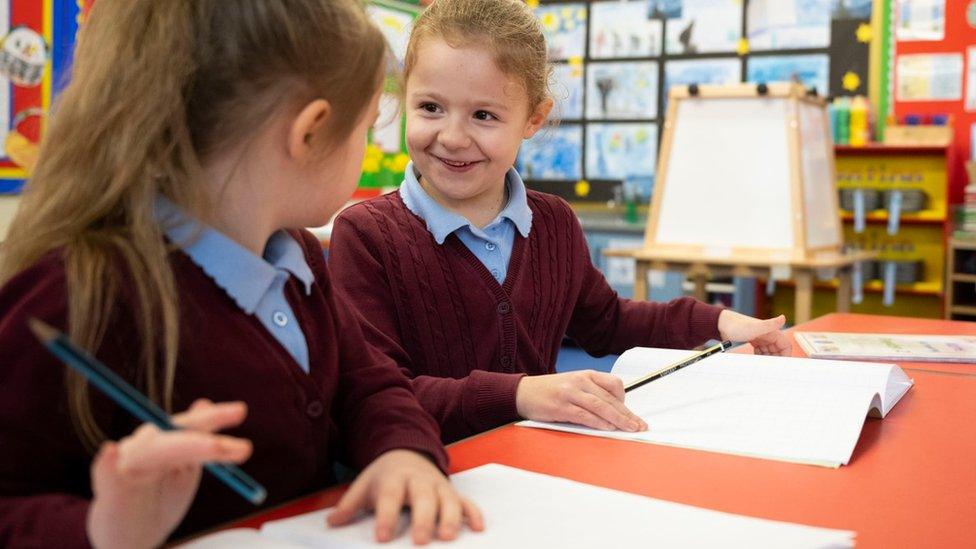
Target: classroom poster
pixel 564 26
pixel 705 26
pixel 620 151
pixel 971 78
pixel 624 29
pixel 784 24
pixel 553 153
pixel 809 70
pixel 621 90
pixel 32 53
pixel 566 86
pixel 920 20
pixel 929 77
pixel 852 9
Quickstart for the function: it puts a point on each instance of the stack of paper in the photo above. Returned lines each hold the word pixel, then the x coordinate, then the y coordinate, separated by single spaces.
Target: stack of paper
pixel 525 509
pixel 788 409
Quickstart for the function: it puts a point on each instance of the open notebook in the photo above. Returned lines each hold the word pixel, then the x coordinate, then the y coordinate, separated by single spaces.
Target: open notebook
pixel 789 409
pixel 525 509
pixel 899 347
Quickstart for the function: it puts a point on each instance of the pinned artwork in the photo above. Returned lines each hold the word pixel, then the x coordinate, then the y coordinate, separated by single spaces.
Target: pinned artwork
pixel 564 26
pixel 566 86
pixel 624 29
pixel 554 153
pixel 705 26
pixel 808 70
pixel 622 90
pixel 621 151
pixel 783 24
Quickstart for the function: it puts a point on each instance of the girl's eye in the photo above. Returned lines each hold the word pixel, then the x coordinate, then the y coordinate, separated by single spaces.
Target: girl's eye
pixel 429 107
pixel 484 115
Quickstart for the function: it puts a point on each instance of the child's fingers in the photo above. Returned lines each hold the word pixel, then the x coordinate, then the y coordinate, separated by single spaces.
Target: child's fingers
pixel 352 502
pixel 204 415
pixel 606 407
pixel 632 422
pixel 586 418
pixel 475 520
pixel 152 451
pixel 609 383
pixel 389 501
pixel 423 510
pixel 450 512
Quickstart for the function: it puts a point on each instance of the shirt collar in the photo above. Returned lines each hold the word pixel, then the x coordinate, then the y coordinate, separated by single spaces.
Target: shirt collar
pixel 441 222
pixel 244 276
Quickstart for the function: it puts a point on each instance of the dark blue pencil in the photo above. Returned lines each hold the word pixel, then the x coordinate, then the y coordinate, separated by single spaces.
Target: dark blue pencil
pixel 136 403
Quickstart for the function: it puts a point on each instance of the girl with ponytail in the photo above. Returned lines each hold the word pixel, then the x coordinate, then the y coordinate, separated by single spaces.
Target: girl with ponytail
pixel 162 230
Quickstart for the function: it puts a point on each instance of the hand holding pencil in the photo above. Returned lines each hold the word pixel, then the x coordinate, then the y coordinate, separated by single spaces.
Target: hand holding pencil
pixel 143 484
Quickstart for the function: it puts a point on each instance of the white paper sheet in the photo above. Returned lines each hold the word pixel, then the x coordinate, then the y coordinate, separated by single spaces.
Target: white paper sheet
pixel 526 509
pixel 788 409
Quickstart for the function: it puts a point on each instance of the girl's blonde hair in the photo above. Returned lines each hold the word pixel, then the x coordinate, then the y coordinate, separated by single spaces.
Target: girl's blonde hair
pixel 158 88
pixel 507 27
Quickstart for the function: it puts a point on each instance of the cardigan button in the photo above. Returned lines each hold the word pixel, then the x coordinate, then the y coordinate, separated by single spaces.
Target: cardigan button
pixel 506 361
pixel 314 409
pixel 504 308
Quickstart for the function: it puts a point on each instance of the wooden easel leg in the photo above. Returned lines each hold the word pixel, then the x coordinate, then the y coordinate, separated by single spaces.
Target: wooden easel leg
pixel 804 295
pixel 640 280
pixel 844 290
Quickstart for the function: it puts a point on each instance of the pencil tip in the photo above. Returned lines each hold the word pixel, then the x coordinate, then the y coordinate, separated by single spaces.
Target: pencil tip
pixel 42 330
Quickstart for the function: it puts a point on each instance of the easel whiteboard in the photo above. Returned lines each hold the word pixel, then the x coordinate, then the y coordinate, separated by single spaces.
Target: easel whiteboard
pixel 745 173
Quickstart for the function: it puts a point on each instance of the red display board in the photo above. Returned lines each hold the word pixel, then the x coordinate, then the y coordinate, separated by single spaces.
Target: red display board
pixel 959 35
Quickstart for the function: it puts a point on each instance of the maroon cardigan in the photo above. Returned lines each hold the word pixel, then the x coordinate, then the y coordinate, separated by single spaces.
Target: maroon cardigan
pixel 354 404
pixel 464 339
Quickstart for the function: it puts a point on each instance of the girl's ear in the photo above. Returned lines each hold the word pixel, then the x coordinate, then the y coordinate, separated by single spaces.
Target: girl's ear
pixel 538 117
pixel 306 124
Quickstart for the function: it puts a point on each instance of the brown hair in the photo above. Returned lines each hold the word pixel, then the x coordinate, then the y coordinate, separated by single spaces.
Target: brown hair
pixel 158 88
pixel 507 27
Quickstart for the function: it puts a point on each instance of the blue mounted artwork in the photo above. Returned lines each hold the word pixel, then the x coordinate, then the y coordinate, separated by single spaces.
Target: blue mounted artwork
pixel 623 90
pixel 554 153
pixel 567 91
pixel 564 26
pixel 809 70
pixel 621 151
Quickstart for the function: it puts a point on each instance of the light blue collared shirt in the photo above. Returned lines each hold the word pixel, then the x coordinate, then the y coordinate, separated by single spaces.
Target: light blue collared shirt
pixel 491 245
pixel 256 284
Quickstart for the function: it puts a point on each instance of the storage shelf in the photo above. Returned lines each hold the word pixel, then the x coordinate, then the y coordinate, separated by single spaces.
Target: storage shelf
pixel 924 217
pixel 881 148
pixel 930 287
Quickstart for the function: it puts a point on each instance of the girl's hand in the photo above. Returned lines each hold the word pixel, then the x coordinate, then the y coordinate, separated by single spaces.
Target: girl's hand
pixel 764 335
pixel 593 399
pixel 405 477
pixel 144 484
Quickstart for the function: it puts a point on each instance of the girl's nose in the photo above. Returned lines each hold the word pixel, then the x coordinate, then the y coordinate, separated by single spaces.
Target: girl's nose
pixel 453 136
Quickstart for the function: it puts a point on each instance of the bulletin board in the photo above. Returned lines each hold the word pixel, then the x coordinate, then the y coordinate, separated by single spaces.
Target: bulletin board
pixel 933 45
pixel 615 62
pixel 36 39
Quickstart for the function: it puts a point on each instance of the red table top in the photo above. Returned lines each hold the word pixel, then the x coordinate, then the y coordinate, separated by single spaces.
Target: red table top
pixel 910 483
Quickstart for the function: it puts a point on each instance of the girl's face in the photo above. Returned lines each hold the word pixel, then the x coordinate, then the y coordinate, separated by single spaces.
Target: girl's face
pixel 465 121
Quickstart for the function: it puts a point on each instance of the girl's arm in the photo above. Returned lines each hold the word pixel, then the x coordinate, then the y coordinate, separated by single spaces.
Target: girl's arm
pixel 461 406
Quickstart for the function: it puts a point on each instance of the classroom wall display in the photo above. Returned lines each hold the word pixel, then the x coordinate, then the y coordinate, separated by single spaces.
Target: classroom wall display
pixel 606 53
pixel 809 70
pixel 621 90
pixel 553 153
pixel 920 19
pixel 929 77
pixel 620 151
pixel 566 86
pixel 36 40
pixel 779 24
pixel 624 29
pixel 705 26
pixel 564 26
pixel 395 24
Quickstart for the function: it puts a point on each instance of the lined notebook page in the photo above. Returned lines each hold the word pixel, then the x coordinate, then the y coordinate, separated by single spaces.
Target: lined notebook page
pixel 526 509
pixel 788 409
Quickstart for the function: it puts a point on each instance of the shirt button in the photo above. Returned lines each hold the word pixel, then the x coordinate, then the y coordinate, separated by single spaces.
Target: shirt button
pixel 314 409
pixel 490 246
pixel 280 319
pixel 495 273
pixel 504 308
